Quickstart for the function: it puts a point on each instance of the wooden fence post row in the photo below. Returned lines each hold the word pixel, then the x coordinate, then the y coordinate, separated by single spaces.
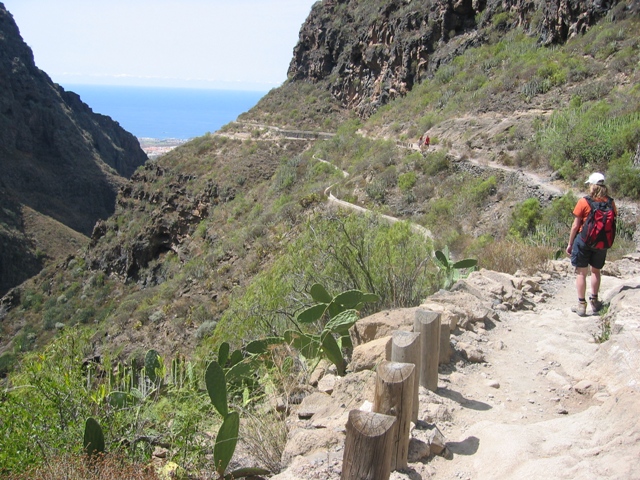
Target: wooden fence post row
pixel 378 442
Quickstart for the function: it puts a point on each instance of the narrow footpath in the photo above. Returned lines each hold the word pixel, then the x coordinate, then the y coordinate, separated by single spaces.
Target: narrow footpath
pixel 549 402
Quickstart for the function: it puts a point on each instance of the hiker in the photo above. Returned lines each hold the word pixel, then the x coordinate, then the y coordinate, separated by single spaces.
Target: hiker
pixel 584 249
pixel 427 141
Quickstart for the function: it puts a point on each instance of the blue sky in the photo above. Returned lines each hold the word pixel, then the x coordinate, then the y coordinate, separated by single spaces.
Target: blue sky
pixel 229 44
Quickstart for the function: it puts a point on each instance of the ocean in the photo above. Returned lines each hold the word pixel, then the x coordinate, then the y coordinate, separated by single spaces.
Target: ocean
pixel 163 113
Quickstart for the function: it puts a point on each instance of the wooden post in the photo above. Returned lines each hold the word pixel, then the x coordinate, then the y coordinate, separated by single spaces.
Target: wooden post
pixel 445 346
pixel 427 323
pixel 405 348
pixel 368 446
pixel 394 396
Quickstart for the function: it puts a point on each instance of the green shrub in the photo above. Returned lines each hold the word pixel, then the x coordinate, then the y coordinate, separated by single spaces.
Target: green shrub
pixel 7 361
pixel 588 137
pixel 376 190
pixel 482 189
pixel 406 181
pixel 31 300
pixel 435 163
pixel 525 217
pixel 623 177
pixel 344 252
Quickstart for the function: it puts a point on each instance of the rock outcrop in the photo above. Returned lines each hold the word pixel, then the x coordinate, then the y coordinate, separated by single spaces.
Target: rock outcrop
pixel 57 156
pixel 372 52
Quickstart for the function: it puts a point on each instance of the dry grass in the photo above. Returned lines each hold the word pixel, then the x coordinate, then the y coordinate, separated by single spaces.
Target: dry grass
pixel 509 256
pixel 264 436
pixel 51 237
pixel 263 429
pixel 78 467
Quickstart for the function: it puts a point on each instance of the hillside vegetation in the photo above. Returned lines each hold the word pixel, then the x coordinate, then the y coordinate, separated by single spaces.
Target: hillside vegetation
pixel 219 242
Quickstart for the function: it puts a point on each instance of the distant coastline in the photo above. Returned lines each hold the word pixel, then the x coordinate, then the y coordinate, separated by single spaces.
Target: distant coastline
pixel 166 114
pixel 155 147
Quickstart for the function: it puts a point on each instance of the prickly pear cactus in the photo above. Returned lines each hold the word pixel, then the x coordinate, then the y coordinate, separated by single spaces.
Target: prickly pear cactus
pixel 93 437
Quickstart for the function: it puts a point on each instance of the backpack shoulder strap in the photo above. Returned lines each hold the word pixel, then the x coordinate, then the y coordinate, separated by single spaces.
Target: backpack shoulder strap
pixel 590 201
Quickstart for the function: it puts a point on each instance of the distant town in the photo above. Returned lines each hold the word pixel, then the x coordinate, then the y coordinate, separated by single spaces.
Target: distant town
pixel 154 147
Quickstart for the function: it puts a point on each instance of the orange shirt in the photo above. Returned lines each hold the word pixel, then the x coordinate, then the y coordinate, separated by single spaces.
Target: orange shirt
pixel 583 209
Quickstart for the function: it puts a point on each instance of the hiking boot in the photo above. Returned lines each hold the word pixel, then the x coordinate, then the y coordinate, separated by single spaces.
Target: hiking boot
pixel 596 305
pixel 580 309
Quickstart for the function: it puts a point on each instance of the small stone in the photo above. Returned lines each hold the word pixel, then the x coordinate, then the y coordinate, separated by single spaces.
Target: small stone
pixel 327 384
pixel 367 406
pixel 160 452
pixel 562 411
pixel 601 396
pixel 583 387
pixel 418 450
pixel 437 442
pixel 493 384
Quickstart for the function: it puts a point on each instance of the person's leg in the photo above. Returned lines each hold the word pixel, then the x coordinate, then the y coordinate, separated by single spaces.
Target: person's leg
pixel 595 281
pixel 580 260
pixel 581 281
pixel 596 305
pixel 598 258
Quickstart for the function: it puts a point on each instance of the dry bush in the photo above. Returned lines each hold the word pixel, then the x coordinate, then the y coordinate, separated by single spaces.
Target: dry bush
pixel 264 436
pixel 263 429
pixel 509 256
pixel 79 467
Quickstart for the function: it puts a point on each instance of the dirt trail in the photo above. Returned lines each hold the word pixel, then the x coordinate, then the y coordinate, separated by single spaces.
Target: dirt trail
pixel 548 403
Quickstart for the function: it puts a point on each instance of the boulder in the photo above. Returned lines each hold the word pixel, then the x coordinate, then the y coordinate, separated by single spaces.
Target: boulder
pixel 465 307
pixel 381 324
pixel 447 315
pixel 312 404
pixel 303 441
pixel 368 355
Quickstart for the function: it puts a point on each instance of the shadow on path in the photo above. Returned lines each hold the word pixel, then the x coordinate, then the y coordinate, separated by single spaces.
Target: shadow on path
pixel 468 446
pixel 463 401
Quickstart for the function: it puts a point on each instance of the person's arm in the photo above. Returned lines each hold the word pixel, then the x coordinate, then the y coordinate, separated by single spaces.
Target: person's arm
pixel 575 228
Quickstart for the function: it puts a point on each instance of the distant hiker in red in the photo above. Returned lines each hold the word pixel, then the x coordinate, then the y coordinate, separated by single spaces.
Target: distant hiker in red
pixel 592 233
pixel 427 141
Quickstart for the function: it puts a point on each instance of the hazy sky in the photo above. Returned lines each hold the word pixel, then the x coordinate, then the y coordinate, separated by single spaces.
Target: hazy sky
pixel 235 44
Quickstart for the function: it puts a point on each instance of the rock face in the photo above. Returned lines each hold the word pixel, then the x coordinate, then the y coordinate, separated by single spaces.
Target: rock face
pixel 371 52
pixel 56 156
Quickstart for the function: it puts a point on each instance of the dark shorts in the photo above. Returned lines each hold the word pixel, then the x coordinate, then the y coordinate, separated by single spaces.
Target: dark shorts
pixel 583 256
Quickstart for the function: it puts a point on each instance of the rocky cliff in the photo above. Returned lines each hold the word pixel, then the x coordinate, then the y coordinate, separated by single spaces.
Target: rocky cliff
pixel 57 157
pixel 372 52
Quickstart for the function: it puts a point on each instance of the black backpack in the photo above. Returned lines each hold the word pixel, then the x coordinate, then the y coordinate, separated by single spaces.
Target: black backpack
pixel 599 229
